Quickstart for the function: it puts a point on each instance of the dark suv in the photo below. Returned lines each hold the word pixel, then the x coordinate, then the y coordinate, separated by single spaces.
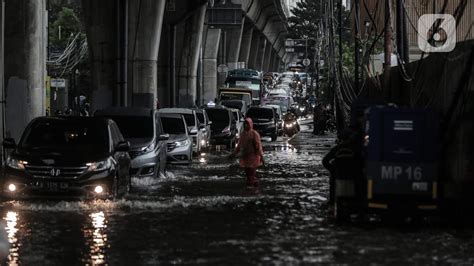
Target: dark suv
pixel 223 127
pixel 142 128
pixel 265 121
pixel 78 157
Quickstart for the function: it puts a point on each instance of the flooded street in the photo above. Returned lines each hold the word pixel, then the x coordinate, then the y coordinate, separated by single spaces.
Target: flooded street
pixel 204 214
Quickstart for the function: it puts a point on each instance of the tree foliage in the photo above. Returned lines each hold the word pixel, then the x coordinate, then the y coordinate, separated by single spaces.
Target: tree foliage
pixel 305 19
pixel 66 24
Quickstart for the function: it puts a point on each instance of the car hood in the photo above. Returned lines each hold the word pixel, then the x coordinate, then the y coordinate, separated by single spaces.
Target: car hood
pixel 177 137
pixel 139 143
pixel 63 158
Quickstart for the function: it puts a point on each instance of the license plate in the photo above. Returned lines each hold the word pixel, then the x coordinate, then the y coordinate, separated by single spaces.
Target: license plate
pixel 52 186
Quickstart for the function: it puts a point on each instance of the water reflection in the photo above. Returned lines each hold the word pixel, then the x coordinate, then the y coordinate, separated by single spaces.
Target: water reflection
pixel 11 219
pixel 97 236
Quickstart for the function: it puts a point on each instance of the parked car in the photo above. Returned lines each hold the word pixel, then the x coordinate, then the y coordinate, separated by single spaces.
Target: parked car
pixel 142 128
pixel 180 144
pixel 279 117
pixel 68 157
pixel 204 127
pixel 239 121
pixel 192 123
pixel 235 104
pixel 223 127
pixel 265 121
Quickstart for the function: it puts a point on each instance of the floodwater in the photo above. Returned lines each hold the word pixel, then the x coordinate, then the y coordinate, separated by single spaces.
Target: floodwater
pixel 204 214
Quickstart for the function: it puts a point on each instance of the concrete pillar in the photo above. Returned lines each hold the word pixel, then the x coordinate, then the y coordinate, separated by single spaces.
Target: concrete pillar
pixel 25 67
pixel 254 48
pixel 272 61
pixel 267 57
pixel 245 44
pixel 276 63
pixel 261 53
pixel 145 24
pixel 234 40
pixel 211 49
pixel 100 28
pixel 187 69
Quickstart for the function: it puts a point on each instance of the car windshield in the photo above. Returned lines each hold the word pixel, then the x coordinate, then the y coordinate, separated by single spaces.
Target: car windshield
pixel 173 125
pixel 260 113
pixel 218 116
pixel 190 120
pixel 200 117
pixel 134 127
pixel 232 104
pixel 78 136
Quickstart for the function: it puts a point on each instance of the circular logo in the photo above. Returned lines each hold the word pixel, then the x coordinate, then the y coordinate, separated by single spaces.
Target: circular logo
pixel 306 62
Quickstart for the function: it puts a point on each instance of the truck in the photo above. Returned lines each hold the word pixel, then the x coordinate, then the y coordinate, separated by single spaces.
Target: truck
pixel 400 151
pixel 244 94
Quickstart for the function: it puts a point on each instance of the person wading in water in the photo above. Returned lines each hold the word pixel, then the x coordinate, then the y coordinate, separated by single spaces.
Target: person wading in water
pixel 251 152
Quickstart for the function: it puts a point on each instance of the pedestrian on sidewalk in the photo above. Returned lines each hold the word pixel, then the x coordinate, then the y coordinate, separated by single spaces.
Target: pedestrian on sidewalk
pixel 251 152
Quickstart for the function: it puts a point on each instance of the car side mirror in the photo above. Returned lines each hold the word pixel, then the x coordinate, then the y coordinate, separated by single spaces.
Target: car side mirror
pixel 123 146
pixel 9 143
pixel 164 137
pixel 209 123
pixel 201 126
pixel 193 131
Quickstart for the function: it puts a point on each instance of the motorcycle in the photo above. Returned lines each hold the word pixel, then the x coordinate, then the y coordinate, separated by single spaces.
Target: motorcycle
pixel 290 125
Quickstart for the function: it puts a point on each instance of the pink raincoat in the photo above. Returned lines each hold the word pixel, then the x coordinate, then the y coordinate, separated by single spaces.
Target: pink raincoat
pixel 250 147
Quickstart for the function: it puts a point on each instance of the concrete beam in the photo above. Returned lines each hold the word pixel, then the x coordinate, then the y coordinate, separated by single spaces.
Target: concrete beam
pixel 145 26
pixel 187 68
pixel 211 49
pixel 25 63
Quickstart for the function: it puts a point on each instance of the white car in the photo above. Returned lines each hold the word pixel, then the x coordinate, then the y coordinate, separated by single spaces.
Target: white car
pixel 204 127
pixel 192 122
pixel 239 122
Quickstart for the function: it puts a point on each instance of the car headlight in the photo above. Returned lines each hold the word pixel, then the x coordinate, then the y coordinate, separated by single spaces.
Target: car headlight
pixel 226 130
pixel 182 143
pixel 149 148
pixel 101 165
pixel 16 164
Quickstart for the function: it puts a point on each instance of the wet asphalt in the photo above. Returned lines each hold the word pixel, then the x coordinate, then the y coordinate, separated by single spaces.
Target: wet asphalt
pixel 204 214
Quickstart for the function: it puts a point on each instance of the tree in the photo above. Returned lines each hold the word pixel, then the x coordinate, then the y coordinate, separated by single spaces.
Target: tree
pixel 67 24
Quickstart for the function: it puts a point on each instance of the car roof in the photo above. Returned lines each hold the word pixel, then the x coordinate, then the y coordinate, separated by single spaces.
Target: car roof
pixel 124 111
pixel 170 115
pixel 262 107
pixel 73 119
pixel 176 111
pixel 272 105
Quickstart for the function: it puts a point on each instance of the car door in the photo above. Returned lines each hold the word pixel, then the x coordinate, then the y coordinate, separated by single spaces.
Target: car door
pixel 200 135
pixel 122 158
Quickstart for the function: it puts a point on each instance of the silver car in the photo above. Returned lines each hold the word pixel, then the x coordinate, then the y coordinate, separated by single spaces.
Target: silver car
pixel 192 123
pixel 204 127
pixel 180 144
pixel 142 128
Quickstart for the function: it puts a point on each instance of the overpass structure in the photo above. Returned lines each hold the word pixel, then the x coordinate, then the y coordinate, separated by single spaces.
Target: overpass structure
pixel 142 51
